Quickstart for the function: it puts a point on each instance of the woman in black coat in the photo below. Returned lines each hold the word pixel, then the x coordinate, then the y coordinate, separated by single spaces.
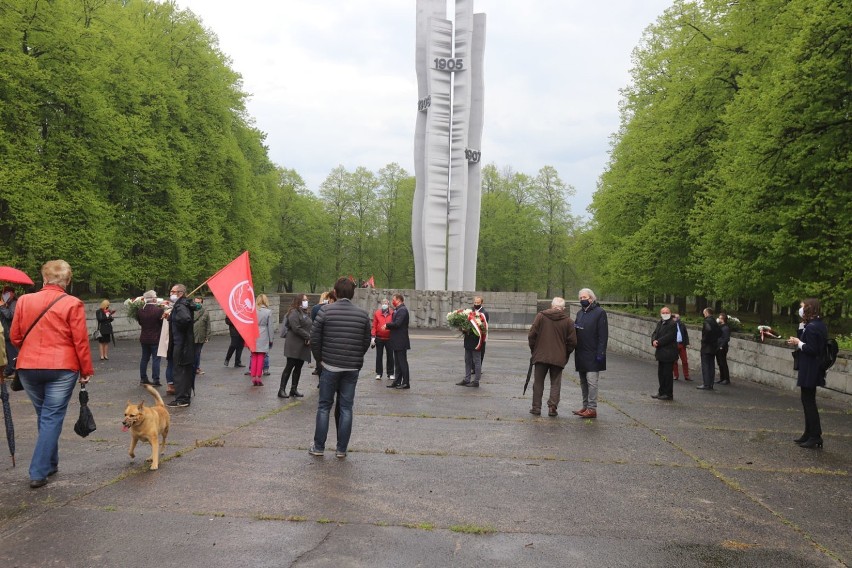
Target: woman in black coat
pixel 664 340
pixel 104 315
pixel 810 344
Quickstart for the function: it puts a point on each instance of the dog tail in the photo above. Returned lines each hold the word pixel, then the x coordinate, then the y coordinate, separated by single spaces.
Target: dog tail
pixel 155 394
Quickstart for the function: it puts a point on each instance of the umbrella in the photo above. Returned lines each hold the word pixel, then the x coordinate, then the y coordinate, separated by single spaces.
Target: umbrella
pixel 529 374
pixel 15 276
pixel 86 423
pixel 7 418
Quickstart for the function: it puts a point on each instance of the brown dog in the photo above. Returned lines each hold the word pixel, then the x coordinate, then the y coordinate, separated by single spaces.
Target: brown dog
pixel 147 423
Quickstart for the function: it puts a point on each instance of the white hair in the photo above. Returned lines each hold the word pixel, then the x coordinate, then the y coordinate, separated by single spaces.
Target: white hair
pixel 149 295
pixel 588 292
pixel 558 303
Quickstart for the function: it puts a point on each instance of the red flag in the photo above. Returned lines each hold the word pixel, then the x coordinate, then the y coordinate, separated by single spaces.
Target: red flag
pixel 233 289
pixel 371 283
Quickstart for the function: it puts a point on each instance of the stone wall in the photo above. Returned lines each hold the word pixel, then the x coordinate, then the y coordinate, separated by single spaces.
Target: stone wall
pixel 770 362
pixel 429 308
pixel 125 328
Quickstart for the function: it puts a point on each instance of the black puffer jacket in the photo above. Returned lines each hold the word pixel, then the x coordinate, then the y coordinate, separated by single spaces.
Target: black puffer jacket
pixel 341 335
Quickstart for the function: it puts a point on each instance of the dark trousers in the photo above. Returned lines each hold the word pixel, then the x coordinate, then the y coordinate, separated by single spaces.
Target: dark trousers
pixel 149 353
pixel 708 369
pixel 665 375
pixel 722 361
pixel 11 355
pixel 235 349
pixel 401 366
pixel 295 366
pixel 382 346
pixel 183 375
pixel 813 428
pixel 198 348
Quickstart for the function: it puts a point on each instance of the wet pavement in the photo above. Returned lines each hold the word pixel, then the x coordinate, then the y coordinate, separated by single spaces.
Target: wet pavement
pixel 439 475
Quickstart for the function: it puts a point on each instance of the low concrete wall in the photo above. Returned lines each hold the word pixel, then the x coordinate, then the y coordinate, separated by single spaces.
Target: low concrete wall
pixel 770 363
pixel 429 308
pixel 125 328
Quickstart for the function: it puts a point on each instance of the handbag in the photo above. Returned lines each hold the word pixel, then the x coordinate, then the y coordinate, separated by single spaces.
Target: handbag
pixel 17 385
pixel 96 335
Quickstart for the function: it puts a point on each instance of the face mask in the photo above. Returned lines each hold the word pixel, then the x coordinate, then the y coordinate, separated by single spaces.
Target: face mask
pixel 802 312
pixel 173 298
pixel 477 306
pixel 198 306
pixel 395 303
pixel 385 307
pixel 585 303
pixel 305 304
pixel 665 316
pixel 719 321
pixel 323 301
pixel 6 296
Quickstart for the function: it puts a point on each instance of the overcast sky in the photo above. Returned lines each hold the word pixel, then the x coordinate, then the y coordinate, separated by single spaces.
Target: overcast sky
pixel 332 82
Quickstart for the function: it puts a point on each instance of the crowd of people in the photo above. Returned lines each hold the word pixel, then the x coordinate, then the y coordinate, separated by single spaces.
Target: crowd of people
pixel 46 343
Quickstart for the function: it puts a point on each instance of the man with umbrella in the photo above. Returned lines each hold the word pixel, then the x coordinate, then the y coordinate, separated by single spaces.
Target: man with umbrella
pixel 8 301
pixel 552 339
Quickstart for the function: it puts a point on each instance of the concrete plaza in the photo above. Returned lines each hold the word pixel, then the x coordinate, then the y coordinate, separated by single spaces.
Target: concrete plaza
pixel 439 475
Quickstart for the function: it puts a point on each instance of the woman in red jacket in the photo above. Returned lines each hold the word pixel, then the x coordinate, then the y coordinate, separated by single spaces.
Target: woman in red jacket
pixel 49 330
pixel 381 335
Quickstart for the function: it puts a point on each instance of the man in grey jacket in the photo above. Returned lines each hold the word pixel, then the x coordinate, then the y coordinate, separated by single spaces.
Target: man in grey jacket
pixel 340 337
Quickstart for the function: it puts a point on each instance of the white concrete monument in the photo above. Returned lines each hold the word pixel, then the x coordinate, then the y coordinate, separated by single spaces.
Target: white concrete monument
pixel 450 85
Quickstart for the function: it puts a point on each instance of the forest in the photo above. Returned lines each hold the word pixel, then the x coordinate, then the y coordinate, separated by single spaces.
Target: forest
pixel 126 149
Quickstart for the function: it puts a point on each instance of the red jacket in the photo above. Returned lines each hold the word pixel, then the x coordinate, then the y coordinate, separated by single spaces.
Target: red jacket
pixel 380 319
pixel 59 340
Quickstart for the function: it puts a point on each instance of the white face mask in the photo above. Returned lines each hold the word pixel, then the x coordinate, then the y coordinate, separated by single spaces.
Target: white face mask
pixel 6 296
pixel 802 312
pixel 385 307
pixel 173 298
pixel 665 316
pixel 304 304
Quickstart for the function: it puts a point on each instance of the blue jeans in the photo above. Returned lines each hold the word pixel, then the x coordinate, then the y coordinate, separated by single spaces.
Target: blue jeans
pixel 266 361
pixel 49 390
pixel 170 371
pixel 343 385
pixel 149 351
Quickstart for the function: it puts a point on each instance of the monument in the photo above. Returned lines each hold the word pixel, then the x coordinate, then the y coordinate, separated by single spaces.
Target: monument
pixel 445 219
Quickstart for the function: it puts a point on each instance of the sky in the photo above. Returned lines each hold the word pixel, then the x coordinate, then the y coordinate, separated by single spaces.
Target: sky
pixel 332 82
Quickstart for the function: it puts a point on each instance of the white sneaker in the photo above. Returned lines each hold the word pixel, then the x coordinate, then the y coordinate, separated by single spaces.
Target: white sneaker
pixel 390 377
pixel 378 377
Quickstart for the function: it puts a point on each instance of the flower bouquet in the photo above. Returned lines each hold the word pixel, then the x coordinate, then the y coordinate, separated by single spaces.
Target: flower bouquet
pixel 734 323
pixel 469 322
pixel 133 306
pixel 767 331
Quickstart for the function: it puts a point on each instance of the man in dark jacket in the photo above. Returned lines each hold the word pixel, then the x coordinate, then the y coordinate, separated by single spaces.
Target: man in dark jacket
pixel 339 338
pixel 150 318
pixel 590 359
pixel 710 335
pixel 400 343
pixel 8 301
pixel 664 340
pixel 682 337
pixel 181 345
pixel 552 339
pixel 235 348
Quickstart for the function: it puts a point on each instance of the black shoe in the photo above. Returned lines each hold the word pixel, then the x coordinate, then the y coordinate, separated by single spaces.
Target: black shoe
pixel 296 394
pixel 802 438
pixel 725 382
pixel 226 362
pixel 393 385
pixel 656 396
pixel 403 387
pixel 53 472
pixel 664 397
pixel 176 404
pixel 474 385
pixel 463 383
pixel 156 384
pixel 704 388
pixel 809 443
pixel 238 365
pixel 266 373
pixel 283 394
pixel 36 483
pixel 145 382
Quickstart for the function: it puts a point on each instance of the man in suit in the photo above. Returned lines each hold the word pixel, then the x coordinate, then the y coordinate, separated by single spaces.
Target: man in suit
pixel 711 332
pixel 400 343
pixel 682 344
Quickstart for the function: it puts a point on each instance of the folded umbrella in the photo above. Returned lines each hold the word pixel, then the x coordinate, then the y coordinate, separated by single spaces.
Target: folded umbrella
pixel 7 418
pixel 86 422
pixel 529 374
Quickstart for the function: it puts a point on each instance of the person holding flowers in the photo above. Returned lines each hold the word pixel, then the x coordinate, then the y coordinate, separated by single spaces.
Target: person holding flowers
pixel 474 328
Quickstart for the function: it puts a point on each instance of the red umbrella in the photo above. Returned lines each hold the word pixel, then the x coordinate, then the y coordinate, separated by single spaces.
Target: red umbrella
pixel 15 276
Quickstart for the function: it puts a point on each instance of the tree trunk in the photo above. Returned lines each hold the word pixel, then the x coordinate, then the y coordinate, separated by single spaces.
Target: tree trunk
pixel 764 309
pixel 700 304
pixel 681 304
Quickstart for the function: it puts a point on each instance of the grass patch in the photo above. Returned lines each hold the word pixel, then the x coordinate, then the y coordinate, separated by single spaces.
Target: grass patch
pixel 421 526
pixel 390 451
pixel 473 529
pixel 211 443
pixel 110 508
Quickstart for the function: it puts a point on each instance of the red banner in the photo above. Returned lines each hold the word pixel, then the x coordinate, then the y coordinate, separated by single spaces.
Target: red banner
pixel 233 289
